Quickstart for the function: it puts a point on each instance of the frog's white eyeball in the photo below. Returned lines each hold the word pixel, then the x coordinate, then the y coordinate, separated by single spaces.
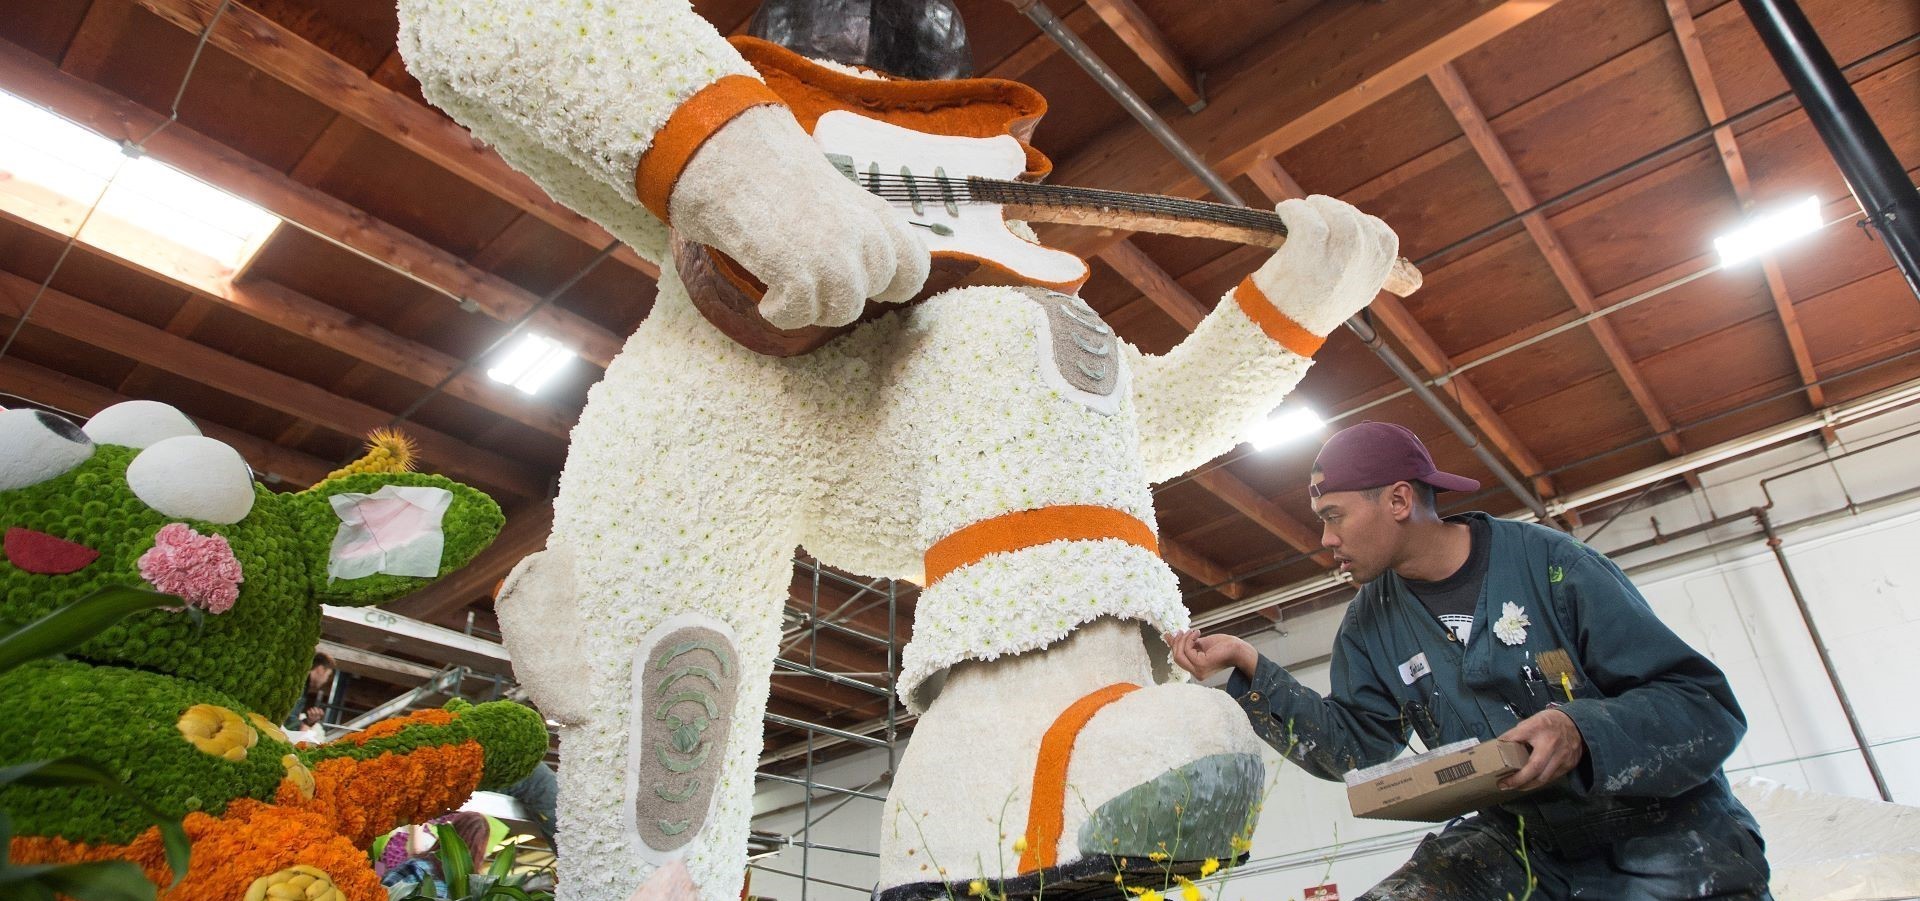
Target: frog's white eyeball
pixel 193 477
pixel 138 423
pixel 36 446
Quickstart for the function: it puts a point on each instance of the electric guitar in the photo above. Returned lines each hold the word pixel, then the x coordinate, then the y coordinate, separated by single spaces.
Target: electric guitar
pixel 960 193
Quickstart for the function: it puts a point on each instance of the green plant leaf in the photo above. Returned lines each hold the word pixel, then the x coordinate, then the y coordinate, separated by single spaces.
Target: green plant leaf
pixel 69 627
pixel 379 848
pixel 72 771
pixel 104 880
pixel 503 862
pixel 456 861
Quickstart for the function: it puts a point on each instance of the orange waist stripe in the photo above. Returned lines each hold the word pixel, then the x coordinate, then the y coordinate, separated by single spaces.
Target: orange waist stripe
pixel 1032 528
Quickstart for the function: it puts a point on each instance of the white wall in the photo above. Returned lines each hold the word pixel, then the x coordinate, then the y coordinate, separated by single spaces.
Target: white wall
pixel 1859 576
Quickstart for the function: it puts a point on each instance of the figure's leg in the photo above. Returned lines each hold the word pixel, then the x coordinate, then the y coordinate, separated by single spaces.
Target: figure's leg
pixel 1035 521
pixel 650 623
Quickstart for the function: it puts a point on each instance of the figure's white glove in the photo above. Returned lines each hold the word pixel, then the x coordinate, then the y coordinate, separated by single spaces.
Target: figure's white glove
pixel 1333 263
pixel 761 191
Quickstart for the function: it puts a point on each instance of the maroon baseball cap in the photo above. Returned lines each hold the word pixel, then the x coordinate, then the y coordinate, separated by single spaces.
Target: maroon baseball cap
pixel 1373 454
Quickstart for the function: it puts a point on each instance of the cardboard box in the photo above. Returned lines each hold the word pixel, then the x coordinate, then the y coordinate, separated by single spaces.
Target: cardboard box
pixel 1439 787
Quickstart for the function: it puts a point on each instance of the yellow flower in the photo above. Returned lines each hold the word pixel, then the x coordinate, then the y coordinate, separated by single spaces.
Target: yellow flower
pixel 218 731
pixel 1209 866
pixel 977 887
pixel 267 727
pixel 1189 891
pixel 296 883
pixel 1020 845
pixel 299 775
pixel 1151 895
pixel 1157 856
pixel 1241 844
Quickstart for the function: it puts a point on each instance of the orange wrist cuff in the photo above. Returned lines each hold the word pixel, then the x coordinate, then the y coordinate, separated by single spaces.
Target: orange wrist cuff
pixel 688 129
pixel 1284 331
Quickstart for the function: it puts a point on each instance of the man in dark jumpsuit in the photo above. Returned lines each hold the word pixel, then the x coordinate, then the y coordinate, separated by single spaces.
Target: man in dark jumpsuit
pixel 1627 725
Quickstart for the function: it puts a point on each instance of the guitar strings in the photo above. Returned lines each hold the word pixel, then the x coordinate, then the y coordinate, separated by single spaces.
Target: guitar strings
pixel 937 191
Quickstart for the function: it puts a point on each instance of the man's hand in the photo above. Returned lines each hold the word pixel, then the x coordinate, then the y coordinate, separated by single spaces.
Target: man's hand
pixel 314 715
pixel 761 191
pixel 1333 264
pixel 1204 655
pixel 1554 747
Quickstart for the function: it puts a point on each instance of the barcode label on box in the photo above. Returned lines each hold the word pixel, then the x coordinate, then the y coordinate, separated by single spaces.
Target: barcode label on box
pixel 1455 773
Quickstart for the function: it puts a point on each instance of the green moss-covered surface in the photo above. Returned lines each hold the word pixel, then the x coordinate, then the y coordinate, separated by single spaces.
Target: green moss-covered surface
pixel 513 737
pixel 126 721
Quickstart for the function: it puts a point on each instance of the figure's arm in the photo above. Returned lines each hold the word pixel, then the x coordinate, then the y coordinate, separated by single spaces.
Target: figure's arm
pixel 1197 402
pixel 1357 726
pixel 1667 719
pixel 439 756
pixel 639 113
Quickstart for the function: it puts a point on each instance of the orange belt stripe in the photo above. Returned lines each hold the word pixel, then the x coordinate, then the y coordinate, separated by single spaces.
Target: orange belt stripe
pixel 688 129
pixel 1046 808
pixel 1285 332
pixel 1032 528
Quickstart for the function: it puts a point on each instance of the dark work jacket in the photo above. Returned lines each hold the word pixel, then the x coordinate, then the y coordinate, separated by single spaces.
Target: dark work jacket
pixel 1658 719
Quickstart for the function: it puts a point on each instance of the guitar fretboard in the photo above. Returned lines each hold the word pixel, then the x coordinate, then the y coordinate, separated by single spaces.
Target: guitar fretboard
pixel 939 190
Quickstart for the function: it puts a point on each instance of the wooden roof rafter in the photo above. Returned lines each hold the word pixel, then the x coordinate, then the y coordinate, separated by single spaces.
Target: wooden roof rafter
pixel 1466 112
pixel 289 57
pixel 1701 72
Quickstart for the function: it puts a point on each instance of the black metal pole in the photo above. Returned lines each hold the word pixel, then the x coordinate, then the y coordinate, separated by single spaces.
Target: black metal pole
pixel 1874 174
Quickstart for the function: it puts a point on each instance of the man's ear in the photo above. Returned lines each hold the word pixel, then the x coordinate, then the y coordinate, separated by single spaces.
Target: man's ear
pixel 354 535
pixel 1400 498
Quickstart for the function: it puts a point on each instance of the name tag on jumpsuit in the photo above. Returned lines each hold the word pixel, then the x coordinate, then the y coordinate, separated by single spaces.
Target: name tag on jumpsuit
pixel 1415 667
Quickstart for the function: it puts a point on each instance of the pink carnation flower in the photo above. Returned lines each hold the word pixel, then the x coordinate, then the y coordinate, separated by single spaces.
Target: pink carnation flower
pixel 201 569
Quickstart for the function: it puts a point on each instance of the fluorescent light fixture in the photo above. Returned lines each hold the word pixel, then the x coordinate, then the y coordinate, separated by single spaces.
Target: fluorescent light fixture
pixel 1284 426
pixel 46 152
pixel 531 362
pixel 1767 231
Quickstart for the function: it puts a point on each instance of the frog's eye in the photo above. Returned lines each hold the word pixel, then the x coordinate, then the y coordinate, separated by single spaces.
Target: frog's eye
pixel 192 477
pixel 138 423
pixel 36 446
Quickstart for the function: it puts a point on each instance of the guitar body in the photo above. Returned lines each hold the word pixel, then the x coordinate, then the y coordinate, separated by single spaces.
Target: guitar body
pixel 968 239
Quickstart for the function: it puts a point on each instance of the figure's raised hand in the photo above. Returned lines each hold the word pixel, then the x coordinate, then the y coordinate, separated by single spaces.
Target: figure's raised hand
pixel 1333 264
pixel 761 191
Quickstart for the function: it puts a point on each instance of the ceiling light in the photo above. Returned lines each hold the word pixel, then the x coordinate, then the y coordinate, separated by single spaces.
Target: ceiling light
pixel 1767 231
pixel 531 362
pixel 44 154
pixel 1284 426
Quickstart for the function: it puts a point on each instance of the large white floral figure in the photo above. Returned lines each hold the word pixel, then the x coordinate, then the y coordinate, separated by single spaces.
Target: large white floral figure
pixel 951 442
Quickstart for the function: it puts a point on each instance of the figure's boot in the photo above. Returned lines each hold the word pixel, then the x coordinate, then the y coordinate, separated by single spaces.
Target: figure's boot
pixel 1060 769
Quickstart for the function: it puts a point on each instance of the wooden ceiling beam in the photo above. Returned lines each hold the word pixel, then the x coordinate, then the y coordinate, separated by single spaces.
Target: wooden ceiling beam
pixel 93 42
pixel 1466 112
pixel 1137 30
pixel 524 533
pixel 305 207
pixel 1177 302
pixel 1735 165
pixel 290 58
pixel 1201 567
pixel 1255 506
pixel 1285 89
pixel 1038 49
pixel 83 398
pixel 143 343
pixel 288 310
pixel 1274 181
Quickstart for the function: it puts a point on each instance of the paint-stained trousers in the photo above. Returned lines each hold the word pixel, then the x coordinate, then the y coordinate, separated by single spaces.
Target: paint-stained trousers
pixel 1479 858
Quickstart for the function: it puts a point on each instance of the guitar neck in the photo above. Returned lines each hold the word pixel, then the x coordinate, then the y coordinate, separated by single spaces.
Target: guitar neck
pixel 1064 205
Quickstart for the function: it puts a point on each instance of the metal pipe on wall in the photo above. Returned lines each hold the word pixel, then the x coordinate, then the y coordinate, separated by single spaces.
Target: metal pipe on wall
pixel 1102 74
pixel 1873 173
pixel 1820 646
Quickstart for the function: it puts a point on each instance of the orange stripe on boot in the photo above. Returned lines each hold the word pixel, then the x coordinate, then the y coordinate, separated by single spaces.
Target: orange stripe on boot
pixel 1284 331
pixel 1046 807
pixel 1032 528
pixel 687 130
